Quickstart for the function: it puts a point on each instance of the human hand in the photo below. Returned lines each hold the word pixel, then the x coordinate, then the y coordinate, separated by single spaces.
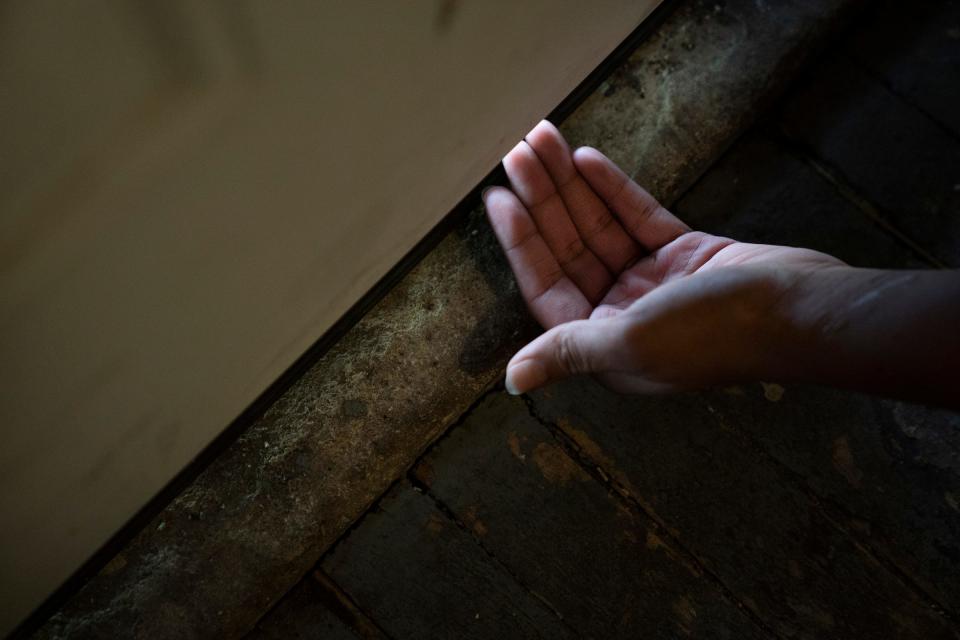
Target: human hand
pixel 627 291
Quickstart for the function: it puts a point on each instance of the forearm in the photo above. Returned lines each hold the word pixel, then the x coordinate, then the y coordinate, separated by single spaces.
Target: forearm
pixel 895 333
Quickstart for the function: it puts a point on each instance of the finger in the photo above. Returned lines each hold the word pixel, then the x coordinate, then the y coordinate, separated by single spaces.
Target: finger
pixel 552 149
pixel 548 292
pixel 572 348
pixel 600 231
pixel 528 177
pixel 641 215
pixel 531 182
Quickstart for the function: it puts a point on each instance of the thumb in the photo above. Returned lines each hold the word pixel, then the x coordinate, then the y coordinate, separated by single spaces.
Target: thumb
pixel 571 348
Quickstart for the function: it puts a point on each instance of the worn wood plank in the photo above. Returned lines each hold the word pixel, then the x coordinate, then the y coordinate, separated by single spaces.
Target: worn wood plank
pixel 914 48
pixel 890 152
pixel 600 563
pixel 759 192
pixel 891 470
pixel 421 576
pixel 740 514
pixel 888 472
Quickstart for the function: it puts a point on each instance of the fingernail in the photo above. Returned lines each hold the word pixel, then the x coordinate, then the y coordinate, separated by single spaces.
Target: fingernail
pixel 483 194
pixel 525 376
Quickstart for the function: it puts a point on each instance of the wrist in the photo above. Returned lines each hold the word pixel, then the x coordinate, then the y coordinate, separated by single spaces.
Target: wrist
pixel 800 329
pixel 885 331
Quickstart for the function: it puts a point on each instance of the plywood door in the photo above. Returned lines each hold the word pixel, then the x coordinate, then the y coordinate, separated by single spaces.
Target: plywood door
pixel 192 193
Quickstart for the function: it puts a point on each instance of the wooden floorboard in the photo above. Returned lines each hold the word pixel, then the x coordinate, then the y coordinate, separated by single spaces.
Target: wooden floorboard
pixel 600 563
pixel 760 192
pixel 890 471
pixel 420 575
pixel 739 514
pixel 889 151
pixel 916 53
pixel 887 472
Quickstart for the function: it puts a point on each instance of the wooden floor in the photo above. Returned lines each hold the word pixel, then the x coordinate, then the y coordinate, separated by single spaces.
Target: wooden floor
pixel 752 512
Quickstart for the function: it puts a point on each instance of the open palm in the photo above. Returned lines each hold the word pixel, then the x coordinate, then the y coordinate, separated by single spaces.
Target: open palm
pixel 585 242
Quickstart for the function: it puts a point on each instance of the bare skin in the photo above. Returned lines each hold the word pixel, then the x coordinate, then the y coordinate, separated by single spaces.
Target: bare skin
pixel 630 294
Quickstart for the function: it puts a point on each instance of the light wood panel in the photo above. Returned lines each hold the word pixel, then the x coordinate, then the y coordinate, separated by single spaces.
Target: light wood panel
pixel 193 192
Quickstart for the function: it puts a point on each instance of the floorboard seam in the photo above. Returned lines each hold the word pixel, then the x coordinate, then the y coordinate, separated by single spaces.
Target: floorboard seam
pixel 318 568
pixel 450 514
pixel 889 88
pixel 400 478
pixel 374 505
pixel 625 496
pixel 338 591
pixel 834 176
pixel 494 388
pixel 830 510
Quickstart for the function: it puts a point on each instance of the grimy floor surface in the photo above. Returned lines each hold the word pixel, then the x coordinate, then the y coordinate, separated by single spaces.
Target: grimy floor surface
pixel 751 512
